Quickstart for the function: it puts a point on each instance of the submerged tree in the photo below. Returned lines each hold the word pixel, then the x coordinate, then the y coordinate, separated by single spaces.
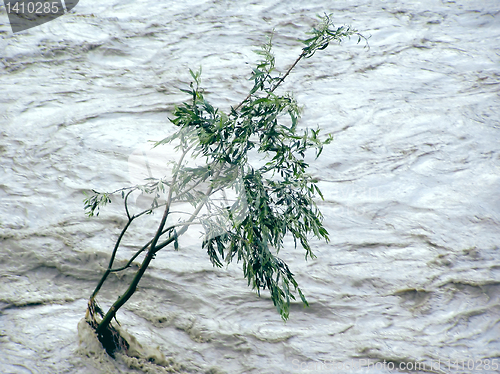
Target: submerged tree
pixel 269 201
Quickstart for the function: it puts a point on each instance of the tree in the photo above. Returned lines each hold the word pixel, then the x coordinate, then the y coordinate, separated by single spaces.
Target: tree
pixel 270 200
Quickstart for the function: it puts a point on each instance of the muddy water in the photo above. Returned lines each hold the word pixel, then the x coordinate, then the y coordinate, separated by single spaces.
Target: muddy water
pixel 411 185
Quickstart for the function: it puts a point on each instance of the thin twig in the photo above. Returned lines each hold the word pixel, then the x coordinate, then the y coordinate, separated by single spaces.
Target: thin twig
pixel 277 84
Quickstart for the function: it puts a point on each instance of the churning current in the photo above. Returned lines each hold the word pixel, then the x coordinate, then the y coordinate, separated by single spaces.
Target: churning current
pixel 410 279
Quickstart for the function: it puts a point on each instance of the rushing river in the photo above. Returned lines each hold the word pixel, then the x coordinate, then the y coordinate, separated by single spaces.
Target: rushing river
pixel 411 183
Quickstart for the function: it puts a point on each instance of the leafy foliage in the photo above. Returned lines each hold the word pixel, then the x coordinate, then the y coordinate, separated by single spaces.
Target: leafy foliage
pixel 279 195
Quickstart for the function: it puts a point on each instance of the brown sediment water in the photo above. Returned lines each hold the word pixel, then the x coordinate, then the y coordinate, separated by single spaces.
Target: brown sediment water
pixel 411 184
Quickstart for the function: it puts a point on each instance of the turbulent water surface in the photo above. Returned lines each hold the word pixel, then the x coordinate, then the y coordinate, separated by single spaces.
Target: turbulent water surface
pixel 411 184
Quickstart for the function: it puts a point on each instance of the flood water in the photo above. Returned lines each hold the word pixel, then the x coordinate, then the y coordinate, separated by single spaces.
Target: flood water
pixel 411 184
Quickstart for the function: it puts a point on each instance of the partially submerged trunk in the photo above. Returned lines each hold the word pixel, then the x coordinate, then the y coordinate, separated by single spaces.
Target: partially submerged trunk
pixel 110 338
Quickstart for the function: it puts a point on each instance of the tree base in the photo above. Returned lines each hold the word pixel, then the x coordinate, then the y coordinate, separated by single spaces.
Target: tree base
pixel 117 341
pixel 111 339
